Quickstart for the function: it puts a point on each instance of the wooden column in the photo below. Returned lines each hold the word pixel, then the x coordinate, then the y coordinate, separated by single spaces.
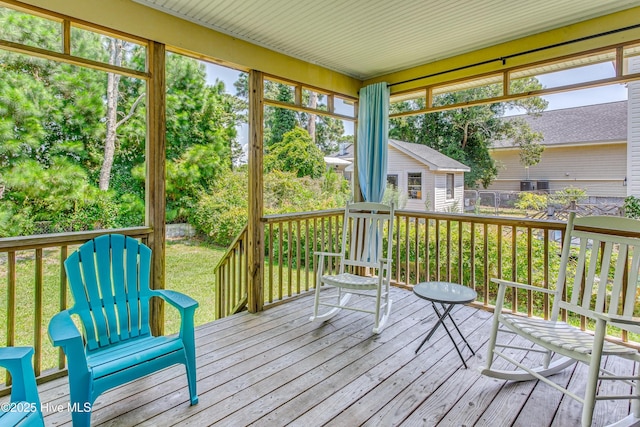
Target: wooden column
pixel 357 192
pixel 155 197
pixel 255 228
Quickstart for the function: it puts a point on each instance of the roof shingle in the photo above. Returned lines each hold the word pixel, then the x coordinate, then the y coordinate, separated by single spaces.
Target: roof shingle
pixel 579 125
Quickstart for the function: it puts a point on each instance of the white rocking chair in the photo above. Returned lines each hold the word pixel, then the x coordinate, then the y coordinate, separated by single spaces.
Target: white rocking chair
pixel 600 265
pixel 365 225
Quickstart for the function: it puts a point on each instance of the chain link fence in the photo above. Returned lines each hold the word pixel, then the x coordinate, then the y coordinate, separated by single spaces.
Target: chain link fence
pixel 539 204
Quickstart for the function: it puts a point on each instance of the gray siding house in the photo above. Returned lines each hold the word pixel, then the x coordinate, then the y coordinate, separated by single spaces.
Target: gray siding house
pixel 585 147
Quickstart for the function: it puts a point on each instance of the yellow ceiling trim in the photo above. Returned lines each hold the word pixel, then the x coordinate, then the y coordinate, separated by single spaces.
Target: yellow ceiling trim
pixel 576 31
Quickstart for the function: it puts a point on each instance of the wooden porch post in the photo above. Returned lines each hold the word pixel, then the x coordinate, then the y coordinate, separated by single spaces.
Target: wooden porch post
pixel 255 229
pixel 357 193
pixel 155 200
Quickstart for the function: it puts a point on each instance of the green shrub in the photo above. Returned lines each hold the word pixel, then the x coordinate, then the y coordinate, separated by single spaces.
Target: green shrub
pixel 222 214
pixel 632 207
pixel 528 200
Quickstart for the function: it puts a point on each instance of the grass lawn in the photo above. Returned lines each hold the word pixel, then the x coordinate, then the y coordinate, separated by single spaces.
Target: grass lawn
pixel 189 269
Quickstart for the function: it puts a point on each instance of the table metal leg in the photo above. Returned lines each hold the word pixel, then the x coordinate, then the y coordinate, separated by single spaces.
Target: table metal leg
pixel 438 323
pixel 458 329
pixel 441 316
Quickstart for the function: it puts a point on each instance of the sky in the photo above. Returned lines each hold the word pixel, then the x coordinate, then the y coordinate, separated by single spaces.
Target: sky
pixel 598 95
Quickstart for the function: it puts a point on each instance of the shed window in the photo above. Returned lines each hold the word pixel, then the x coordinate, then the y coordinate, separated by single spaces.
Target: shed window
pixel 414 185
pixel 450 186
pixel 392 180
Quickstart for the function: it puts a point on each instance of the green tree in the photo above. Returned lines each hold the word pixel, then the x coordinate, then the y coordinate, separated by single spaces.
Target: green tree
pixel 201 137
pixel 53 131
pixel 49 132
pixel 283 119
pixel 296 153
pixel 529 142
pixel 466 134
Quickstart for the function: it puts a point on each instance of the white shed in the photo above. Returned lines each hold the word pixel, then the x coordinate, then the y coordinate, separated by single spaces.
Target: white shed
pixel 429 179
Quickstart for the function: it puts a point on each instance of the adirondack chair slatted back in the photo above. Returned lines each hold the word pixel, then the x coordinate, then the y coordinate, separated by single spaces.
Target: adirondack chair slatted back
pixel 602 265
pixel 364 228
pixel 109 280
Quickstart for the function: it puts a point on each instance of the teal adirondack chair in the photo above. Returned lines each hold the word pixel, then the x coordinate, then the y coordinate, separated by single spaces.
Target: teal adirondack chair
pixel 109 280
pixel 25 404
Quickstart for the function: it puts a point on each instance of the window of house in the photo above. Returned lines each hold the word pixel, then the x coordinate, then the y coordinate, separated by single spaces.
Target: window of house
pixel 414 185
pixel 450 186
pixel 392 180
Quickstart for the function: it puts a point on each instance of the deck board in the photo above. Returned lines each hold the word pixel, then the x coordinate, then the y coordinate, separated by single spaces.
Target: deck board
pixel 276 368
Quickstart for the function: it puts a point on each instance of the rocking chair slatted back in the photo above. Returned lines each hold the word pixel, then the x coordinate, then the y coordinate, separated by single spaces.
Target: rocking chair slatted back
pixel 364 231
pixel 604 277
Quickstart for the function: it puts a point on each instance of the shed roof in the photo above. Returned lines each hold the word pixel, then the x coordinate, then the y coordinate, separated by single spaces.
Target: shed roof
pixel 578 125
pixel 422 153
pixel 427 155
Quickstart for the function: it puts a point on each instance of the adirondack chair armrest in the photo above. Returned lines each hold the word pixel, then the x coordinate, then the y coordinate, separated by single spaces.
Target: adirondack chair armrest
pixel 14 353
pixel 182 302
pixel 63 331
pixel 17 360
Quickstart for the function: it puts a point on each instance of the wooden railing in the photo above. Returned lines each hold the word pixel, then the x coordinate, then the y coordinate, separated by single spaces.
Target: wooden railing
pixel 231 278
pixel 467 249
pixel 36 284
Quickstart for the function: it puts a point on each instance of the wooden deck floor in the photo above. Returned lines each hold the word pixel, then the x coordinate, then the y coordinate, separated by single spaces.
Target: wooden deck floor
pixel 276 368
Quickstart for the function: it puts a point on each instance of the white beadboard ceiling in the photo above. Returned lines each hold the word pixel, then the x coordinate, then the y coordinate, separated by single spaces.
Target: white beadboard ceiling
pixel 369 38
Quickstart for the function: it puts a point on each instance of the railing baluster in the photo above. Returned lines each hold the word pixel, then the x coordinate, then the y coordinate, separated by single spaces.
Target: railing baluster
pixel 11 303
pixel 306 254
pixel 407 248
pixel 37 330
pixel 64 252
pixel 298 288
pixel 485 251
pixel 545 298
pixel 437 249
pixel 289 259
pixel 397 248
pixel 448 250
pixel 472 256
pixel 460 252
pixel 416 250
pixel 529 271
pixel 280 257
pixel 514 266
pixel 427 252
pixel 314 259
pixel 270 260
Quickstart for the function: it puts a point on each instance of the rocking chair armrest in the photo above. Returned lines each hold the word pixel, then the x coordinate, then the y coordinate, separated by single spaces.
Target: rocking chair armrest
pixel 177 299
pixel 523 286
pixel 612 318
pixel 329 254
